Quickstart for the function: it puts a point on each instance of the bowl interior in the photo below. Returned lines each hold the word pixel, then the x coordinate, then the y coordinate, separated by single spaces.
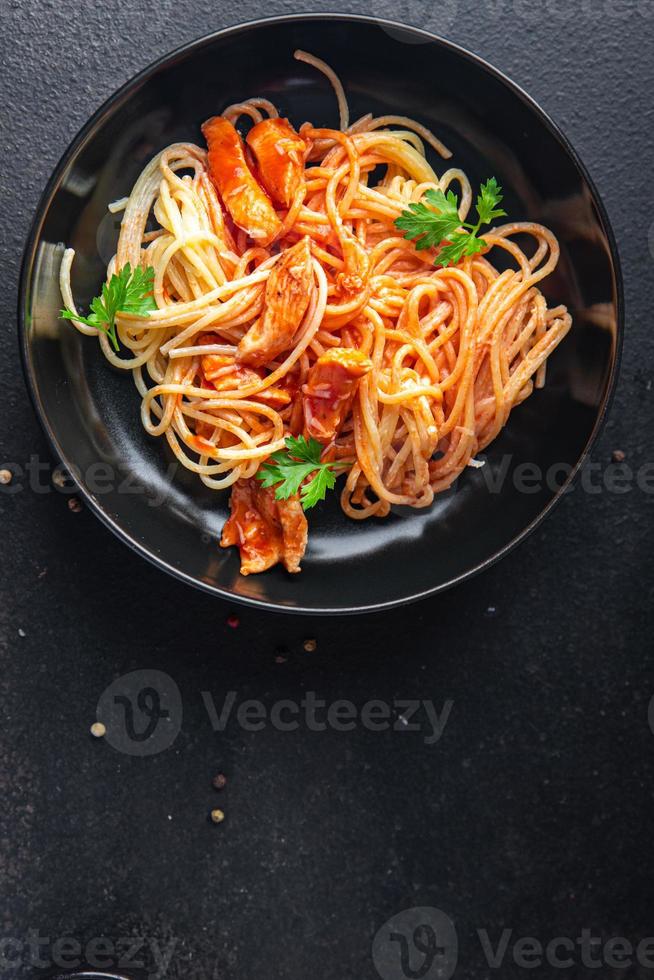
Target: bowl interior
pixel 91 412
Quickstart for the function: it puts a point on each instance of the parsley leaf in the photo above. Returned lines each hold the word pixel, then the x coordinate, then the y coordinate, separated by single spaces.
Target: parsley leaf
pixel 324 480
pixel 309 451
pixel 287 470
pixel 429 228
pixel 126 292
pixel 489 197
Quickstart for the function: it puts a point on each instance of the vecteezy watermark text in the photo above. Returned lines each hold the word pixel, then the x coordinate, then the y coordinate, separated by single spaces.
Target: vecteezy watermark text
pixel 315 714
pixel 42 476
pixel 141 714
pixel 422 944
pixel 37 952
pixel 496 474
pixel 441 15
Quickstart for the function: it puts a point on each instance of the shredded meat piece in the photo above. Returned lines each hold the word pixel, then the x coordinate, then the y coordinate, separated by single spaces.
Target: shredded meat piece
pixel 265 530
pixel 248 204
pixel 329 391
pixel 288 291
pixel 224 374
pixel 295 531
pixel 279 153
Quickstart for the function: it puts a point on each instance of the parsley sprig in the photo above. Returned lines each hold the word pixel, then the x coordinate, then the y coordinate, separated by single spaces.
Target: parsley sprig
pixel 126 292
pixel 287 469
pixel 429 227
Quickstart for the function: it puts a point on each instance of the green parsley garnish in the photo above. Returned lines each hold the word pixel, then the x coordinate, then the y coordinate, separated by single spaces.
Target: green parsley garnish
pixel 287 469
pixel 429 227
pixel 126 292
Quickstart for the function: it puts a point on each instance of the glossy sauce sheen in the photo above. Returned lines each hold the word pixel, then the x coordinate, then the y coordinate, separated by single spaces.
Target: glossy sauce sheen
pixel 329 391
pixel 288 291
pixel 248 204
pixel 265 530
pixel 279 152
pixel 223 373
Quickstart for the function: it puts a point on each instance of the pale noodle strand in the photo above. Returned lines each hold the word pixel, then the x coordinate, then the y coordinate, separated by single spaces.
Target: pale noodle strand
pixel 343 110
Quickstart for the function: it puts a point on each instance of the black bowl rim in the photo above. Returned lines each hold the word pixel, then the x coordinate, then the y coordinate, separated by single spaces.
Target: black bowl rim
pixel 90 974
pixel 127 89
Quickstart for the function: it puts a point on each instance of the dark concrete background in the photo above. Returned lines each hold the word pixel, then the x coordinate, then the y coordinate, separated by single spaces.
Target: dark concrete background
pixel 534 810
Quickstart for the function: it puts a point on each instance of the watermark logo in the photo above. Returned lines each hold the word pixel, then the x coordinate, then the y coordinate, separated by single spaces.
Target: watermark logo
pixel 422 944
pixel 565 952
pixel 436 17
pixel 440 16
pixel 496 474
pixel 493 474
pixel 315 714
pixel 21 956
pixel 416 944
pixel 142 712
pixel 43 476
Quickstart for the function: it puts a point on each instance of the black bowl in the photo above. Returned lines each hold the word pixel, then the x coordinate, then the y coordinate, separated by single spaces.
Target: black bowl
pixel 90 412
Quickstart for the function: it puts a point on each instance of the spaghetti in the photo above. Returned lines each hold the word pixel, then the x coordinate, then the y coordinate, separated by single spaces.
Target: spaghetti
pixel 277 267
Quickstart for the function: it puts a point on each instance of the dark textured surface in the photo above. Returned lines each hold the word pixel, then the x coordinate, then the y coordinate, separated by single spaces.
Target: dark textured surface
pixel 533 811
